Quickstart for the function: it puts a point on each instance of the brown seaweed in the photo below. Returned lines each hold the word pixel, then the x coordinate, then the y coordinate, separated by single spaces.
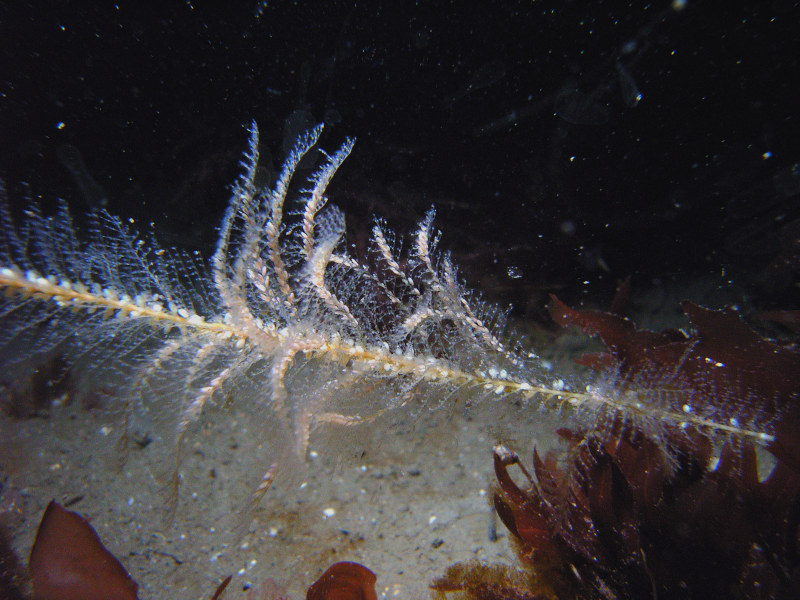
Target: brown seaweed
pixel 344 581
pixel 633 515
pixel 69 562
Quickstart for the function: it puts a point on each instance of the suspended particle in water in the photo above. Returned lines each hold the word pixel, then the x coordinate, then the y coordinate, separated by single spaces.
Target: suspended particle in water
pixel 631 95
pixel 514 272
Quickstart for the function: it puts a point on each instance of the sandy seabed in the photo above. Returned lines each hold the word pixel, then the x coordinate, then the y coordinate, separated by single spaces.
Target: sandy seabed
pixel 416 501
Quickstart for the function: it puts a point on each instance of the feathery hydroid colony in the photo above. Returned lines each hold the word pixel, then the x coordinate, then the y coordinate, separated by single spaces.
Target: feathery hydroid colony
pixel 288 318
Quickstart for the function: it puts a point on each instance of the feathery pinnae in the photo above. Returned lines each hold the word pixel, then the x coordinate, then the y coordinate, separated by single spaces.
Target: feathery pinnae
pixel 282 298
